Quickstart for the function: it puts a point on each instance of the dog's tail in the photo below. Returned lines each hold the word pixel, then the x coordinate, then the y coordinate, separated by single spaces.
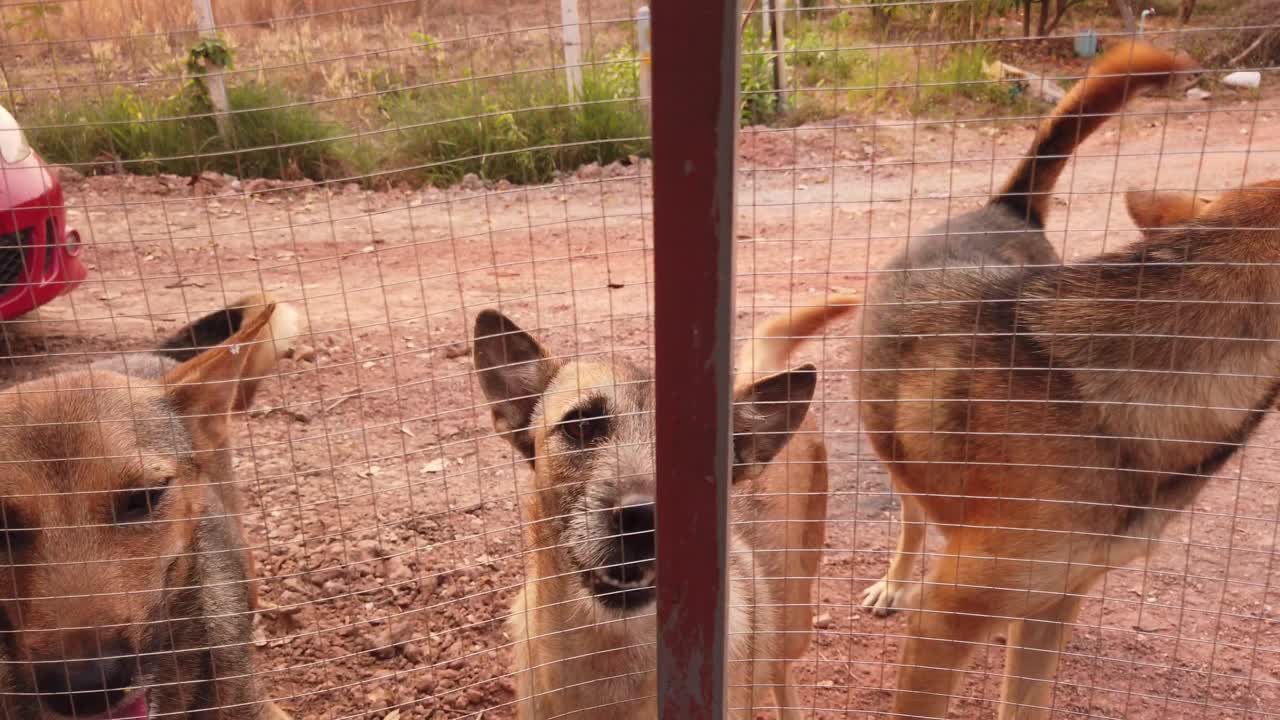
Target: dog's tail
pixel 1103 91
pixel 775 338
pixel 273 341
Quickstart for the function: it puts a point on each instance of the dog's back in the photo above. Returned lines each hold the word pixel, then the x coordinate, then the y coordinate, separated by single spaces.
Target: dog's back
pixel 950 294
pixel 1009 229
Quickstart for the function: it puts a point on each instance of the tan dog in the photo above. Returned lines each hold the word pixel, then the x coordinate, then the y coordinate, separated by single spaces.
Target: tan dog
pixel 583 624
pixel 126 592
pixel 1048 418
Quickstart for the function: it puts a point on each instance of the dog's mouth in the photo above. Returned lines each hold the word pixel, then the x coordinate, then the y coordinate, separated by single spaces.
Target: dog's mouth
pixel 626 596
pixel 132 705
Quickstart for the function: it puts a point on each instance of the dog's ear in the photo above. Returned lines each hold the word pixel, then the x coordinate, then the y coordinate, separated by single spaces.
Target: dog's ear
pixel 1156 210
pixel 203 389
pixel 514 370
pixel 765 414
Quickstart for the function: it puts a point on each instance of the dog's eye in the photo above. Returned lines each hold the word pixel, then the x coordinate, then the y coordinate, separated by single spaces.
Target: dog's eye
pixel 586 425
pixel 137 505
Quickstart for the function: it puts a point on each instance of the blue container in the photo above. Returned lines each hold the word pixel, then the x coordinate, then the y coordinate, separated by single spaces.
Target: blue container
pixel 1087 44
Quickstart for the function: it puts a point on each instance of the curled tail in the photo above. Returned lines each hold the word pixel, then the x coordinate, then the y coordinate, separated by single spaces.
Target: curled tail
pixel 1103 91
pixel 775 338
pixel 272 340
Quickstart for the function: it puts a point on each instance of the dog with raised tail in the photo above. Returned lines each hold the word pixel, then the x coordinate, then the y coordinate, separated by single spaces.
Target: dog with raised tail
pixel 1049 418
pixel 127 584
pixel 583 624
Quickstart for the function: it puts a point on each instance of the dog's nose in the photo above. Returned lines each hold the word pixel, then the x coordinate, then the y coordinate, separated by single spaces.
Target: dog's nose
pixel 88 686
pixel 634 523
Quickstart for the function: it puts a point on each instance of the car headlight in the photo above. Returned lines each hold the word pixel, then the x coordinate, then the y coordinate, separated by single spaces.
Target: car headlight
pixel 13 142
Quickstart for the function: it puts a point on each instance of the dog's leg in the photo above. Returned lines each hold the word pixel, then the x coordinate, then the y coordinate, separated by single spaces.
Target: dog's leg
pixel 785 696
pixel 883 596
pixel 943 633
pixel 1035 644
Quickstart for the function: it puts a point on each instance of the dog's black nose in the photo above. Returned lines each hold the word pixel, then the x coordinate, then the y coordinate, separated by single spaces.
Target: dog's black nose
pixel 86 687
pixel 633 525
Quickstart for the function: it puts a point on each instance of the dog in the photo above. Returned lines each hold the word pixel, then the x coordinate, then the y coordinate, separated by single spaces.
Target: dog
pixel 127 587
pixel 1046 417
pixel 583 624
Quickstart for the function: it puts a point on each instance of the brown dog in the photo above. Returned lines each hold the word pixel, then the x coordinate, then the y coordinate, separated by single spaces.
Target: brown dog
pixel 583 624
pixel 1046 418
pixel 126 589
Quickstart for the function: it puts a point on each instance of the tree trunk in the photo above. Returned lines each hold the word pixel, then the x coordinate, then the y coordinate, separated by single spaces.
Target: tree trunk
pixel 1042 27
pixel 1026 18
pixel 986 20
pixel 880 16
pixel 1126 15
pixel 1061 12
pixel 1185 8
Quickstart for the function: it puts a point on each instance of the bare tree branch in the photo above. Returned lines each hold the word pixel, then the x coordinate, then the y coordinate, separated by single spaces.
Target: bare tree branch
pixel 1063 7
pixel 1262 37
pixel 1126 15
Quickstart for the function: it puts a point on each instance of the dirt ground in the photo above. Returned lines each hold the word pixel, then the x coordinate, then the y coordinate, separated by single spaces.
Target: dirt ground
pixel 384 511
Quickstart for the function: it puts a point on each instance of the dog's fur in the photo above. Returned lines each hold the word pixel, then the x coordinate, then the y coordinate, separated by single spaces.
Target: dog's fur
pixel 583 625
pixel 1049 419
pixel 126 585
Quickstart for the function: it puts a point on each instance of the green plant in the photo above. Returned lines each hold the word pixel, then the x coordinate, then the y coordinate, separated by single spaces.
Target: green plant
pixel 130 132
pixel 841 22
pixel 521 128
pixel 430 45
pixel 881 79
pixel 962 75
pixel 617 77
pixel 759 103
pixel 817 63
pixel 208 55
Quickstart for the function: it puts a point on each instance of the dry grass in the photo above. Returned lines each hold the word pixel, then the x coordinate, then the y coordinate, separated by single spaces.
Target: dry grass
pixel 425 88
pixel 336 53
pixel 62 20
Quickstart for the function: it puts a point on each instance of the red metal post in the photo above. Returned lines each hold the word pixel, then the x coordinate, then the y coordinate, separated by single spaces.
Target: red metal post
pixel 695 124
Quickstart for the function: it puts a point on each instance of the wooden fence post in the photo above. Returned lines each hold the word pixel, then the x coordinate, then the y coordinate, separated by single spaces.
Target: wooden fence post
pixel 214 78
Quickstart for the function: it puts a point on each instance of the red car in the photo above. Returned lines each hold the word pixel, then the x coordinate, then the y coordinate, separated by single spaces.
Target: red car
pixel 38 253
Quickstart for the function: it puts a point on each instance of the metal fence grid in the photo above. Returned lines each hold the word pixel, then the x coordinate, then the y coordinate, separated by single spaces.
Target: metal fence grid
pixel 391 169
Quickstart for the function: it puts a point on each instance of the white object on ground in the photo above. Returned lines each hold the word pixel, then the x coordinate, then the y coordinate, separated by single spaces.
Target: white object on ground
pixel 1243 79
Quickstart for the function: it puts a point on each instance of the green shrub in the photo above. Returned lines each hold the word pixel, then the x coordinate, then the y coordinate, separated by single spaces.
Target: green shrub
pixel 759 102
pixel 961 75
pixel 520 128
pixel 816 62
pixel 130 132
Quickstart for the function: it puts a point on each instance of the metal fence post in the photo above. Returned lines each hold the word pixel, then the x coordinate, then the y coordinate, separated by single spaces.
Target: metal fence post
pixel 695 124
pixel 214 79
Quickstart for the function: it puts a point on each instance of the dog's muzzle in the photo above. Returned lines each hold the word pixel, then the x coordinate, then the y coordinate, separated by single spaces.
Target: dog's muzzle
pixel 92 688
pixel 626 582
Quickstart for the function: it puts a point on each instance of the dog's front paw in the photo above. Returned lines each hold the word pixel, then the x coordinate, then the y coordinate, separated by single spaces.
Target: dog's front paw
pixel 881 597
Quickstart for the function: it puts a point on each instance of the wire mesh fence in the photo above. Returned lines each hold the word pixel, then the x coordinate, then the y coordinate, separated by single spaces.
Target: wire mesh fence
pixel 435 494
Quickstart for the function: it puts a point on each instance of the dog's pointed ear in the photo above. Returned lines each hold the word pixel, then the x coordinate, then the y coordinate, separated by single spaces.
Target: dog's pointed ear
pixel 204 389
pixel 1157 210
pixel 514 371
pixel 765 415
